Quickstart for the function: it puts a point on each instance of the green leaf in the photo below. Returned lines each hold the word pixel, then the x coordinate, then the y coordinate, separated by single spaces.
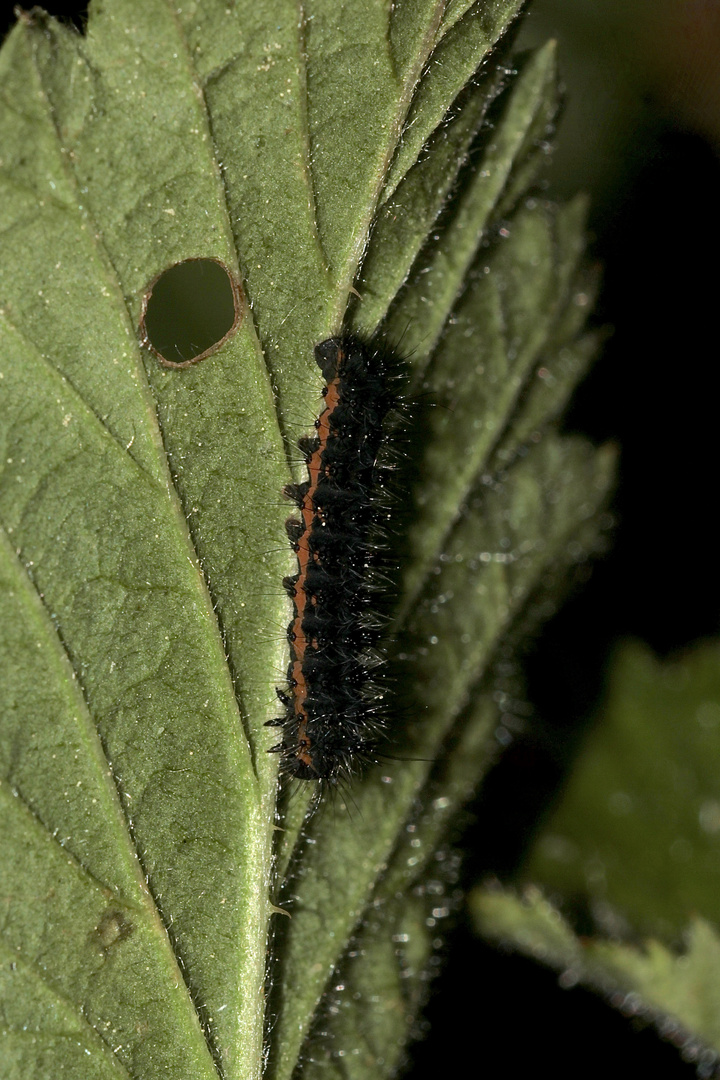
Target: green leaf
pixel 89 504
pixel 387 967
pixel 420 311
pixel 633 843
pixel 142 546
pixel 465 39
pixel 677 991
pixel 516 296
pixel 644 794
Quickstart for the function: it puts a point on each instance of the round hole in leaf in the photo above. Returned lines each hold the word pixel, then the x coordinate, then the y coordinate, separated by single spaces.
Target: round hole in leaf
pixel 189 311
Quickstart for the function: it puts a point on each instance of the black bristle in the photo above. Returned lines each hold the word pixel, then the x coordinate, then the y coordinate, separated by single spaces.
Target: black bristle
pixel 296 492
pixel 289 584
pixel 294 530
pixel 307 445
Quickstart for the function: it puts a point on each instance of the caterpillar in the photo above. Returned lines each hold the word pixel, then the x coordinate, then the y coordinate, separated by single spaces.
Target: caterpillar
pixel 332 720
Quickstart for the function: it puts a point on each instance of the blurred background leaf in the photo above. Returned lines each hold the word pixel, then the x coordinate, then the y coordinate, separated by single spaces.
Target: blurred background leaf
pixel 631 854
pixel 637 829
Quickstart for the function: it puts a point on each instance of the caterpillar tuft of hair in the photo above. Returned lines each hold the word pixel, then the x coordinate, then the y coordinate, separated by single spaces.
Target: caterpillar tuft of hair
pixel 332 706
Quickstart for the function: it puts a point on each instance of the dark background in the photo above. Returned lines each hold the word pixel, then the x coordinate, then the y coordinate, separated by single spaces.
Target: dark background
pixel 640 133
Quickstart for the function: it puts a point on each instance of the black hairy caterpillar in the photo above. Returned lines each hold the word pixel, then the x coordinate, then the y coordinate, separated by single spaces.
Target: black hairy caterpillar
pixel 331 720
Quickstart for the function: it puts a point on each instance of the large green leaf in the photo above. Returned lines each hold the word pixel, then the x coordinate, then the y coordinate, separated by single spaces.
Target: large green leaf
pixel 142 547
